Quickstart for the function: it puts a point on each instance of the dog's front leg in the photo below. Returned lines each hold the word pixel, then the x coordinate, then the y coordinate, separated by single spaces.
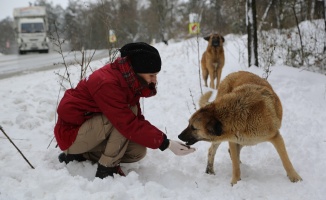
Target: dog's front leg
pixel 235 163
pixel 211 157
pixel 212 74
pixel 239 147
pixel 218 74
pixel 205 75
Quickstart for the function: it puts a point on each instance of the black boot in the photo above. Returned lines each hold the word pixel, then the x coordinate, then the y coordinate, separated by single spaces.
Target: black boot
pixel 71 157
pixel 103 172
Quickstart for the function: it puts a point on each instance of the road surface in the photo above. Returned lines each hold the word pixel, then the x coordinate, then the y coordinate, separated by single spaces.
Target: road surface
pixel 13 65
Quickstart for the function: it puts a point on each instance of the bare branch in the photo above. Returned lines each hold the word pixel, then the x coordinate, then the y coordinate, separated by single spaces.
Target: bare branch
pixel 16 147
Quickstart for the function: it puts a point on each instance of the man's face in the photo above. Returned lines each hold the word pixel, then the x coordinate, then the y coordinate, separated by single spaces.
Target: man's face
pixel 149 77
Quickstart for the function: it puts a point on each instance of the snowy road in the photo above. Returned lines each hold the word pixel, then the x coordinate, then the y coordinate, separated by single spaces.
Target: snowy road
pixel 11 65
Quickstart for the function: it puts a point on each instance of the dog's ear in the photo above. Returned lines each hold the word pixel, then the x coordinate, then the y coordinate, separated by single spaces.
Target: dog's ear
pixel 207 37
pixel 214 127
pixel 223 39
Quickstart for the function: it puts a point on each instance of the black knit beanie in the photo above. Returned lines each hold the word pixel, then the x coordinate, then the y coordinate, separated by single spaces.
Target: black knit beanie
pixel 144 58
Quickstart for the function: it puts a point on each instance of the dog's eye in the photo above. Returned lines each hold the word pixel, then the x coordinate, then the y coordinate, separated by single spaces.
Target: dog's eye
pixel 193 128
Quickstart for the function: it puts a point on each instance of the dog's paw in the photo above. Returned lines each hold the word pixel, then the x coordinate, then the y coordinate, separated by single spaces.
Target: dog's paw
pixel 235 181
pixel 295 178
pixel 210 171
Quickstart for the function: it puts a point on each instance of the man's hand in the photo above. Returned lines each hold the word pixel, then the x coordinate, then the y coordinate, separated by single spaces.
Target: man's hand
pixel 180 149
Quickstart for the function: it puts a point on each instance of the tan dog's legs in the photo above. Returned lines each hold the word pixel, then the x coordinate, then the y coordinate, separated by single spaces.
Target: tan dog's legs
pixel 205 75
pixel 212 75
pixel 279 145
pixel 218 75
pixel 239 147
pixel 234 153
pixel 211 157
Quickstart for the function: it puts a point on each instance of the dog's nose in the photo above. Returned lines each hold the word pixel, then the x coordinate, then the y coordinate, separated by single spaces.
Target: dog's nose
pixel 182 136
pixel 215 43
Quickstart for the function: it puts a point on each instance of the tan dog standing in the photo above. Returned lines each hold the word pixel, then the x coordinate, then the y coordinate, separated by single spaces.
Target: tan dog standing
pixel 246 111
pixel 212 60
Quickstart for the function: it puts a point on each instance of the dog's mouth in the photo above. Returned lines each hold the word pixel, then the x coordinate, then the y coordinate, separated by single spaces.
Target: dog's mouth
pixel 191 142
pixel 189 139
pixel 215 43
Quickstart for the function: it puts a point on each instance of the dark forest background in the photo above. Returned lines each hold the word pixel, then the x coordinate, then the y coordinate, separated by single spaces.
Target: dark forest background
pixel 87 25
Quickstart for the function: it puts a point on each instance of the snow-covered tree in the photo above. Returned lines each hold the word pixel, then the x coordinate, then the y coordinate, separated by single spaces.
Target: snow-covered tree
pixel 252 33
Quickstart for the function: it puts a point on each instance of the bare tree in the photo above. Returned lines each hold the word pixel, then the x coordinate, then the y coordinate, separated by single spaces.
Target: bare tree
pixel 278 11
pixel 312 9
pixel 299 32
pixel 163 10
pixel 7 37
pixel 325 24
pixel 252 33
pixel 265 14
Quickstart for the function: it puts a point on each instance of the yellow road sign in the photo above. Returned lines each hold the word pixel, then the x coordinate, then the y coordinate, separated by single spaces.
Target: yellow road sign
pixel 194 28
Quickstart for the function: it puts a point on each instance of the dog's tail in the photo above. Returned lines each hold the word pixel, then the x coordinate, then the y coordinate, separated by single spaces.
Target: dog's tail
pixel 203 101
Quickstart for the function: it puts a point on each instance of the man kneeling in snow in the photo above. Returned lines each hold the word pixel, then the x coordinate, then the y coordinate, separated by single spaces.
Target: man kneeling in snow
pixel 101 120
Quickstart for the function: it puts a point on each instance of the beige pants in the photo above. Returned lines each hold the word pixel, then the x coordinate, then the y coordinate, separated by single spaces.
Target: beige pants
pixel 100 142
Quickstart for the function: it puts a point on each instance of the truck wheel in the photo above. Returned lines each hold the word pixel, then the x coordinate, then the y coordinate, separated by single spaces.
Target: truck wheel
pixel 44 51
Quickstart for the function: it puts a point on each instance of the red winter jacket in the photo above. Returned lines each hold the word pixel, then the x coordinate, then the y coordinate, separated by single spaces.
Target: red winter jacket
pixel 104 91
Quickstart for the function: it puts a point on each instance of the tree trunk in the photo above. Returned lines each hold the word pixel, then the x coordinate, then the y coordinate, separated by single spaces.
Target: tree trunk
pixel 162 10
pixel 325 24
pixel 278 10
pixel 299 32
pixel 252 33
pixel 312 9
pixel 265 14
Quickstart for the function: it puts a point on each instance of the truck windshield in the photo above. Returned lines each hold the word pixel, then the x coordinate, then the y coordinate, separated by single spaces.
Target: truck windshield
pixel 32 28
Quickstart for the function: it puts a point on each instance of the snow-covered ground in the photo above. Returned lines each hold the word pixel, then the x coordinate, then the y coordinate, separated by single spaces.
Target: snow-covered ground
pixel 27 114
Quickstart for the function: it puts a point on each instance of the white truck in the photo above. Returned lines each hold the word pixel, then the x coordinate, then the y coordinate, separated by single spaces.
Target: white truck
pixel 31 26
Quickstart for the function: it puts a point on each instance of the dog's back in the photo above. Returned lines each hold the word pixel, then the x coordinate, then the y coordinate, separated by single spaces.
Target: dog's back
pixel 252 110
pixel 239 78
pixel 235 80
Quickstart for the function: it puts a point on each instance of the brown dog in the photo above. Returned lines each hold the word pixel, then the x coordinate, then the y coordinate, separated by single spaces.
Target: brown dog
pixel 212 60
pixel 246 111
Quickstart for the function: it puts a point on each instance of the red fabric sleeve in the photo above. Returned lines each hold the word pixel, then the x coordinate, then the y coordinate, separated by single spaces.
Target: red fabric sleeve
pixel 115 106
pixel 140 115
